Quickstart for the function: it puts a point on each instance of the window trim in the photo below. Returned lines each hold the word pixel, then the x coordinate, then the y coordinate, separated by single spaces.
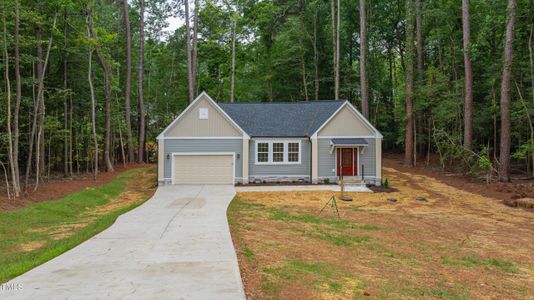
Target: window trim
pixel 203 113
pixel 258 152
pixel 270 152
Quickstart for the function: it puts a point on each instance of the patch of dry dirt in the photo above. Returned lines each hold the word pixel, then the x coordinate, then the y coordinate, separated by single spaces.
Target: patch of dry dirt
pixel 457 243
pixel 30 246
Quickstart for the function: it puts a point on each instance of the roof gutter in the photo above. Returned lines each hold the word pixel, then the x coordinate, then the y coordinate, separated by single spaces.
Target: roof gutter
pixel 278 137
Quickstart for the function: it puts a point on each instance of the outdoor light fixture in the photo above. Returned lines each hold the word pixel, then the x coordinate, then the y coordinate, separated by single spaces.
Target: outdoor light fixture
pixel 238 156
pixel 168 156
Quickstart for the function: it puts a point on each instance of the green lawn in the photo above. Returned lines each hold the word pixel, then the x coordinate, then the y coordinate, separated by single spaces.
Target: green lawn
pixel 37 233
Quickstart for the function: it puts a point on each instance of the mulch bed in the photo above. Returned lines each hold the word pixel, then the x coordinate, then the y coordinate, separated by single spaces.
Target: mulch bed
pixel 285 184
pixel 381 189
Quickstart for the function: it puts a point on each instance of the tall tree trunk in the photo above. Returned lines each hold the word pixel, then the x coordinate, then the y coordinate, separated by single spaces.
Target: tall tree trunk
pixel 315 55
pixel 194 62
pixel 18 98
pixel 363 62
pixel 8 110
pixel 40 70
pixel 234 37
pixel 107 99
pixel 418 117
pixel 123 155
pixel 140 79
pixel 6 176
pixel 188 50
pixel 334 48
pixel 65 102
pixel 303 69
pixel 107 108
pixel 71 150
pixel 40 150
pixel 504 167
pixel 338 25
pixel 419 42
pixel 531 64
pixel 409 134
pixel 128 82
pixel 92 93
pixel 468 97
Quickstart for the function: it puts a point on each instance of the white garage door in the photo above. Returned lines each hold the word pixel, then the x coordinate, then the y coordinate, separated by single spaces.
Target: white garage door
pixel 203 169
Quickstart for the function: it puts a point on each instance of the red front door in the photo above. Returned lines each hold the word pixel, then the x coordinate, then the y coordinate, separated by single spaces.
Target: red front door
pixel 345 161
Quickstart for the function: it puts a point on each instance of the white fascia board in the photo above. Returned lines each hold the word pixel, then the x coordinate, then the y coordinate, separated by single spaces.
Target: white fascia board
pixel 202 138
pixel 348 137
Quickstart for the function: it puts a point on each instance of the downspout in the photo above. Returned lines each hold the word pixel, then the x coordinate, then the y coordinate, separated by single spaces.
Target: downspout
pixel 311 160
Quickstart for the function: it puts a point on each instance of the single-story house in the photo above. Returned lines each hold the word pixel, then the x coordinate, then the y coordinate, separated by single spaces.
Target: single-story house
pixel 308 141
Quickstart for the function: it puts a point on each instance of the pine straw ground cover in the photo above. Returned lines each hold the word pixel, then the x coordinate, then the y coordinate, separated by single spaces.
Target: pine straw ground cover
pixel 456 245
pixel 34 234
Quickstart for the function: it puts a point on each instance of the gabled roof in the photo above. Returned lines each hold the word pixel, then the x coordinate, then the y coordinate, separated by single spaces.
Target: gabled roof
pixel 282 119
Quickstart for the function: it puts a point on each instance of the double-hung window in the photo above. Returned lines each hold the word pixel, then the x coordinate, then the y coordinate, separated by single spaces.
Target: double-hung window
pixel 293 152
pixel 262 150
pixel 278 152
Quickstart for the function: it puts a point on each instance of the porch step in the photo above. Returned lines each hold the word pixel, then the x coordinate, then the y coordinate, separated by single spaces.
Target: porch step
pixel 355 184
pixel 353 181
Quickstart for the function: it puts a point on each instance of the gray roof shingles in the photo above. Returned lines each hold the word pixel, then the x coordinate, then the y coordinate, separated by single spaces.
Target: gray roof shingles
pixel 281 119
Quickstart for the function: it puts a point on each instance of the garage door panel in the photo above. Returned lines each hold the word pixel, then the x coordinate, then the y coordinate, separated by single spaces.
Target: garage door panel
pixel 203 169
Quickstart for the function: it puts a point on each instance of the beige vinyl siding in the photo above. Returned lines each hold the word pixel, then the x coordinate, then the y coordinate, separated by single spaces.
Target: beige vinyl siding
pixel 190 125
pixel 345 123
pixel 203 169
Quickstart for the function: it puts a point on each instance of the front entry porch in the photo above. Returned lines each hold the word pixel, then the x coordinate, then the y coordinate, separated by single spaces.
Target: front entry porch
pixel 347 166
pixel 347 162
pixel 347 158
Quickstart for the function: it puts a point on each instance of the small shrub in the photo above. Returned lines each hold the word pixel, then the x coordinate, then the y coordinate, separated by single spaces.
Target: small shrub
pixel 386 183
pixel 326 181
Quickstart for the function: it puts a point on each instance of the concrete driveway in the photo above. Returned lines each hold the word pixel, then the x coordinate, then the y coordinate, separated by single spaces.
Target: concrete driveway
pixel 175 246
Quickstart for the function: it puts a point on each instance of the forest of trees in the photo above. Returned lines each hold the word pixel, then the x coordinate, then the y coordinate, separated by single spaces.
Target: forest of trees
pixel 89 84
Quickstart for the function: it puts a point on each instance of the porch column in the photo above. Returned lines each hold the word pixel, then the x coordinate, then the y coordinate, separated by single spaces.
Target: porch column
pixel 161 160
pixel 314 161
pixel 378 146
pixel 244 159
